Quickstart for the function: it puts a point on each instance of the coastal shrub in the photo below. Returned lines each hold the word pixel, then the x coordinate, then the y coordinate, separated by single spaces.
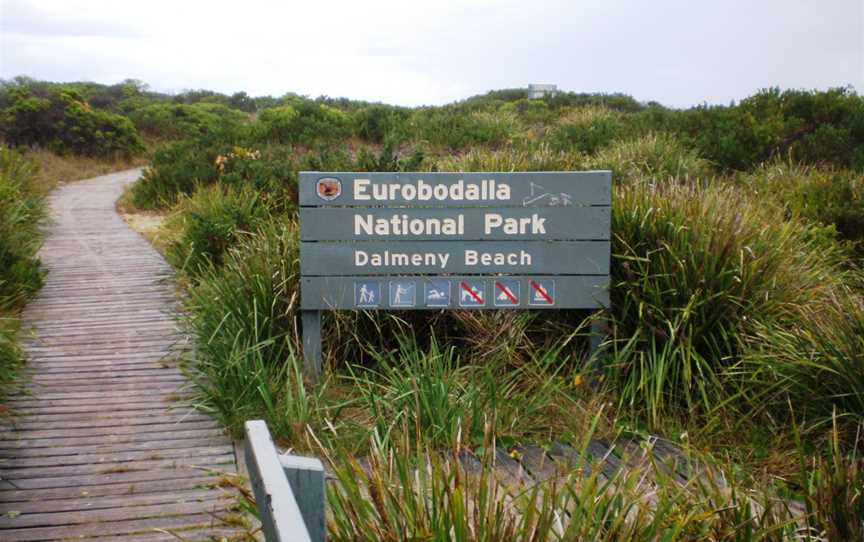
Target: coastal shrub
pixel 540 158
pixel 379 123
pixel 652 156
pixel 178 167
pixel 814 127
pixel 243 315
pixel 176 121
pixel 695 273
pixel 587 129
pixel 209 222
pixel 825 195
pixel 451 128
pixel 60 119
pixel 21 210
pixel 302 122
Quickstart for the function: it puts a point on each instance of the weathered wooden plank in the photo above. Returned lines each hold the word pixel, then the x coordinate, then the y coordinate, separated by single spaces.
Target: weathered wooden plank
pixel 73 407
pixel 538 463
pixel 171 432
pixel 180 508
pixel 216 439
pixel 127 478
pixel 205 520
pixel 155 427
pixel 197 534
pixel 188 453
pixel 111 501
pixel 99 469
pixel 84 422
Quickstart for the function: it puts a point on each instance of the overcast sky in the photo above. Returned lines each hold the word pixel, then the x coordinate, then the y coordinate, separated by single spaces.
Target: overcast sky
pixel 679 53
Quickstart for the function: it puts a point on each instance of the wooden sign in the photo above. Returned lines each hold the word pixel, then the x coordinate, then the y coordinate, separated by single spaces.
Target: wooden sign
pixel 432 241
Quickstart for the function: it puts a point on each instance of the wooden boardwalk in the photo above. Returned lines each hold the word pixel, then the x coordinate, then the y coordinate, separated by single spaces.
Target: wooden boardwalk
pixel 100 449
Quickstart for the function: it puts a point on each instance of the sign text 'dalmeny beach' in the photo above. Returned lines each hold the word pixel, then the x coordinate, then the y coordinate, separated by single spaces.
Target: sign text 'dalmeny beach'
pixel 407 241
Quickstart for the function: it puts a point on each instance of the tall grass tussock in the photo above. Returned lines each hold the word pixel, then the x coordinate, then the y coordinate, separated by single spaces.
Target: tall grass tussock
pixel 22 209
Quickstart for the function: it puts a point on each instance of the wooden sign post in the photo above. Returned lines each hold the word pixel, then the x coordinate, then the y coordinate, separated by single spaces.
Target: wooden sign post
pixel 469 241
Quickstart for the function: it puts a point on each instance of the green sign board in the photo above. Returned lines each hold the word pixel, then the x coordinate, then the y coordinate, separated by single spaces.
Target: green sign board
pixel 432 241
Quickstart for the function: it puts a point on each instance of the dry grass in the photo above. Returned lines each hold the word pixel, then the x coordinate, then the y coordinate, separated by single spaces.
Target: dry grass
pixel 55 169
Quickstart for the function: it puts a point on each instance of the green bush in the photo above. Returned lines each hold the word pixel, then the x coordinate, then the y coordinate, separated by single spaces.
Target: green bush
pixel 541 158
pixel 379 123
pixel 453 128
pixel 244 317
pixel 697 273
pixel 209 222
pixel 810 126
pixel 825 195
pixel 176 121
pixel 11 357
pixel 655 156
pixel 177 168
pixel 302 122
pixel 21 210
pixel 587 129
pixel 60 119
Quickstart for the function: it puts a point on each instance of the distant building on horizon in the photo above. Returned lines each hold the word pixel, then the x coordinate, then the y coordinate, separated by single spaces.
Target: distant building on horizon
pixel 541 90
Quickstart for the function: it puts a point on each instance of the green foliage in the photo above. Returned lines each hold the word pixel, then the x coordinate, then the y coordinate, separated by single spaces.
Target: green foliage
pixel 409 492
pixel 815 127
pixel 60 119
pixel 825 195
pixel 541 158
pixel 379 123
pixel 695 273
pixel 209 222
pixel 11 357
pixel 655 156
pixel 244 318
pixel 21 210
pixel 388 160
pixel 452 128
pixel 177 168
pixel 302 122
pixel 176 121
pixel 587 129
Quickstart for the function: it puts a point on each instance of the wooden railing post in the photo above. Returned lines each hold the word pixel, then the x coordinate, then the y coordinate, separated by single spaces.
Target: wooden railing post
pixel 281 518
pixel 306 476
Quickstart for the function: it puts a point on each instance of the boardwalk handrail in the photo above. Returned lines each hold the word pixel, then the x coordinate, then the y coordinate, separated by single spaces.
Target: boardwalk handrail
pixel 289 490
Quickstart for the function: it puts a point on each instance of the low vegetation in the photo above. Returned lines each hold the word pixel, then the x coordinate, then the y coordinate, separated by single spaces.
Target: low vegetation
pixel 21 210
pixel 735 329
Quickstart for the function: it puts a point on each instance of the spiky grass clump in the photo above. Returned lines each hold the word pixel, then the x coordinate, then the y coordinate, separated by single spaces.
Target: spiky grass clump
pixel 587 129
pixel 11 357
pixel 21 210
pixel 207 223
pixel 438 395
pixel 696 272
pixel 655 156
pixel 821 194
pixel 244 319
pixel 542 158
pixel 412 492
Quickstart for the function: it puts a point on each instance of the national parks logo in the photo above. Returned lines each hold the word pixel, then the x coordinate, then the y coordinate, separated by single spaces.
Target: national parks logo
pixel 328 188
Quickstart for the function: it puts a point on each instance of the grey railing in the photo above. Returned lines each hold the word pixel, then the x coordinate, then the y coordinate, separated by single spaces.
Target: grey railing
pixel 289 490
